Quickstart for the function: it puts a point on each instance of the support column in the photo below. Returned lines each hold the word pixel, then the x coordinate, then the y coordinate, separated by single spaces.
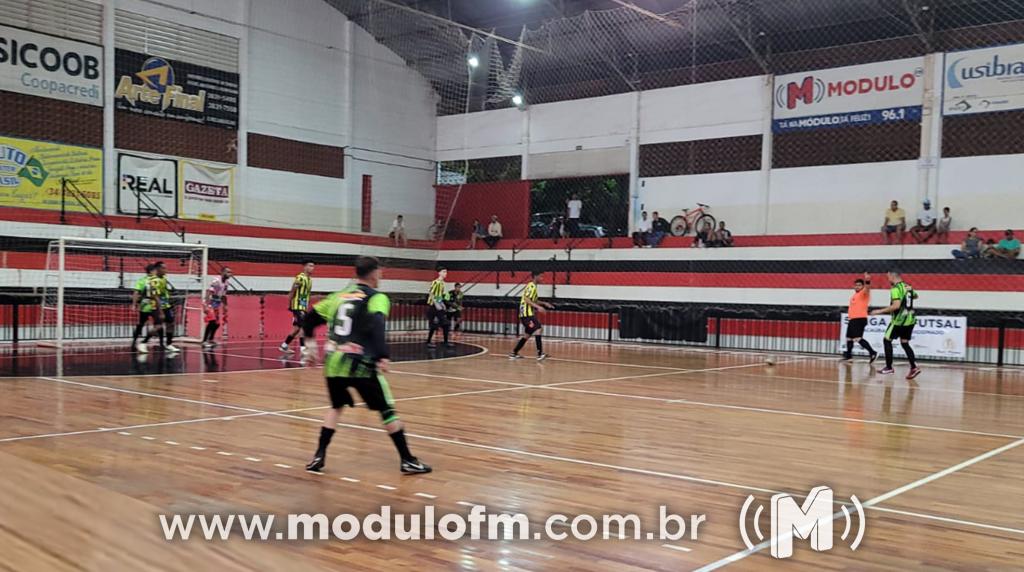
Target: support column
pixel 634 163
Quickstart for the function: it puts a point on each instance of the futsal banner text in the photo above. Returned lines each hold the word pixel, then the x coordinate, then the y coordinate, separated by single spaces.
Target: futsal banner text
pixel 854 95
pixel 934 336
pixel 31 173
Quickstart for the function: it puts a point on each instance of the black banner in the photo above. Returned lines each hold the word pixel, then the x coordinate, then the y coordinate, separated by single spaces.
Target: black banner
pixel 159 87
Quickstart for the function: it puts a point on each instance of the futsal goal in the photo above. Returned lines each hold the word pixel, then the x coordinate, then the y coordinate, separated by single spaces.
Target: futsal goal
pixel 88 284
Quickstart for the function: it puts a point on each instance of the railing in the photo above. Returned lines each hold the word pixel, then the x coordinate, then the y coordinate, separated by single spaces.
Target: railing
pixel 68 187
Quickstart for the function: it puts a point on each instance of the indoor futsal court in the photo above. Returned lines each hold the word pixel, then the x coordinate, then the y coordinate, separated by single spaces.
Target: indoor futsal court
pixel 511 285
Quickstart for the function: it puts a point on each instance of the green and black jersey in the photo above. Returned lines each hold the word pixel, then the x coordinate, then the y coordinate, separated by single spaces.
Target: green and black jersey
pixel 356 319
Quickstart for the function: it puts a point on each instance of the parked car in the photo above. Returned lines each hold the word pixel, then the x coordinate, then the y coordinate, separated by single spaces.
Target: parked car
pixel 546 224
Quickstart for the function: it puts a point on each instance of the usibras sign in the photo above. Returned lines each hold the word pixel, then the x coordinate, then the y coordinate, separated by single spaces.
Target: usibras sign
pixel 934 336
pixel 47 66
pixel 855 95
pixel 980 81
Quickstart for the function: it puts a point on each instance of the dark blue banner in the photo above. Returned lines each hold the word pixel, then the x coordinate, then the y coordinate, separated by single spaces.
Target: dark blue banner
pixel 834 120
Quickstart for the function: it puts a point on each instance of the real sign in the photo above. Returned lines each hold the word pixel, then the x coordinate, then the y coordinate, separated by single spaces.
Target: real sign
pixel 46 66
pixel 147 186
pixel 934 336
pixel 853 95
pixel 979 81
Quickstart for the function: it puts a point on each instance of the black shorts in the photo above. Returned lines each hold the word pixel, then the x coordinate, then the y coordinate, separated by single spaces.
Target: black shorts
pixel 145 316
pixel 298 316
pixel 855 328
pixel 899 332
pixel 530 324
pixel 168 315
pixel 455 315
pixel 374 390
pixel 437 317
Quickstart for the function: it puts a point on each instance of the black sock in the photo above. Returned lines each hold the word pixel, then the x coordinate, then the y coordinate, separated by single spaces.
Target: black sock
pixel 325 439
pixel 447 332
pixel 540 345
pixel 888 352
pixel 849 348
pixel 210 329
pixel 169 333
pixel 403 448
pixel 302 342
pixel 288 341
pixel 137 332
pixel 216 326
pixel 149 334
pixel 430 334
pixel 910 354
pixel 867 346
pixel 519 345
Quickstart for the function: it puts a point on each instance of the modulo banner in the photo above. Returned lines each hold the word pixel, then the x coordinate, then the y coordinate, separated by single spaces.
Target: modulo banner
pixel 853 95
pixel 147 186
pixel 934 336
pixel 206 191
pixel 980 81
pixel 46 66
pixel 31 173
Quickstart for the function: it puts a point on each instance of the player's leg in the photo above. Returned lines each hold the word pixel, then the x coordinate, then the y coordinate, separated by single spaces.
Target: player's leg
pixel 527 333
pixel 905 336
pixel 867 347
pixel 169 329
pixel 539 340
pixel 376 393
pixel 155 328
pixel 446 328
pixel 848 354
pixel 143 320
pixel 887 344
pixel 297 318
pixel 337 390
pixel 432 323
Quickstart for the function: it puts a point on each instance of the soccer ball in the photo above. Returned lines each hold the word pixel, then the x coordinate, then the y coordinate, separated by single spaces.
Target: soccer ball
pixel 770 360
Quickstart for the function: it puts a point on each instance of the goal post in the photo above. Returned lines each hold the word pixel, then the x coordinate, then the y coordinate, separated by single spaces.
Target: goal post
pixel 88 284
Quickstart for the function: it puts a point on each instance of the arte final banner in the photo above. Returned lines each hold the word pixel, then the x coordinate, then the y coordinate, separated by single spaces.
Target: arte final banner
pixel 158 87
pixel 206 191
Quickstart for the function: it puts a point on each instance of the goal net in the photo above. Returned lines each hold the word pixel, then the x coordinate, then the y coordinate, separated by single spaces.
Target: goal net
pixel 88 284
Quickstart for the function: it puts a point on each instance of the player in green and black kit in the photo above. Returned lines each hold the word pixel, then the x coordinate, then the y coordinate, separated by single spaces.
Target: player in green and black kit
pixel 142 302
pixel 455 308
pixel 901 326
pixel 163 312
pixel 356 356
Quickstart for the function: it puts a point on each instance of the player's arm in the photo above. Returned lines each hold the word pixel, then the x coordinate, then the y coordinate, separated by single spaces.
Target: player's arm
pixel 867 282
pixel 135 299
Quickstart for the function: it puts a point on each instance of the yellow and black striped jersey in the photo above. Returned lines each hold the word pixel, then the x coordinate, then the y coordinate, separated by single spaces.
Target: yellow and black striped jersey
pixel 436 294
pixel 303 287
pixel 529 294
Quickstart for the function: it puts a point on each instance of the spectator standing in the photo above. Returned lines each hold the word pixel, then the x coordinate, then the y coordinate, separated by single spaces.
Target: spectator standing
pixel 1008 247
pixel 660 228
pixel 478 232
pixel 574 206
pixel 398 232
pixel 925 228
pixel 494 232
pixel 643 231
pixel 895 223
pixel 970 247
pixel 944 224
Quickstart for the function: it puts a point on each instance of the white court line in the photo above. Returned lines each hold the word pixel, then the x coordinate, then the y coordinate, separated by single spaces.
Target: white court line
pixel 468 444
pixel 386 487
pixel 349 480
pixel 870 502
pixel 195 448
pixel 253 459
pixel 679 548
pixel 282 466
pixel 426 496
pixel 464 503
pixel 173 443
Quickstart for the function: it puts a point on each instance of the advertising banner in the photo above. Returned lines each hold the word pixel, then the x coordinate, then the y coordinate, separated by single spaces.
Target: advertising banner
pixel 147 186
pixel 206 191
pixel 934 336
pixel 31 173
pixel 159 87
pixel 980 81
pixel 47 66
pixel 853 95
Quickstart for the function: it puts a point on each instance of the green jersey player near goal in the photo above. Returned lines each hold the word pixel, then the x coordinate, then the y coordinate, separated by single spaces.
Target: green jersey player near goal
pixel 356 357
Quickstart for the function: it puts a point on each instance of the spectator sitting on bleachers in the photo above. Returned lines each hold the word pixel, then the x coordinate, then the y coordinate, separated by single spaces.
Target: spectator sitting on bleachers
pixel 723 236
pixel 494 232
pixel 924 230
pixel 971 247
pixel 478 232
pixel 660 228
pixel 705 236
pixel 1008 247
pixel 944 224
pixel 895 223
pixel 643 231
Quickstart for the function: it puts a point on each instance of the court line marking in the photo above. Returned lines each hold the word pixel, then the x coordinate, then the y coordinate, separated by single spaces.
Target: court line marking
pixel 510 451
pixel 736 557
pixel 679 548
pixel 349 480
pixel 426 496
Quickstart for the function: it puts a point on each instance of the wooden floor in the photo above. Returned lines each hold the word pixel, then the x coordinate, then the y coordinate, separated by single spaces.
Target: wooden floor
pixel 87 463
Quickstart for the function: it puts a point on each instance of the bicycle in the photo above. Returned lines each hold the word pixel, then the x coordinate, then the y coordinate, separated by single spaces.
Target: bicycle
pixel 691 219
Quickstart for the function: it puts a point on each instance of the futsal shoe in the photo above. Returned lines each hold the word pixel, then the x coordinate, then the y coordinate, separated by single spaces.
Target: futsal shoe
pixel 171 348
pixel 873 357
pixel 542 356
pixel 431 346
pixel 316 465
pixel 514 356
pixel 887 371
pixel 284 348
pixel 914 372
pixel 847 357
pixel 415 466
pixel 207 345
pixel 142 348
